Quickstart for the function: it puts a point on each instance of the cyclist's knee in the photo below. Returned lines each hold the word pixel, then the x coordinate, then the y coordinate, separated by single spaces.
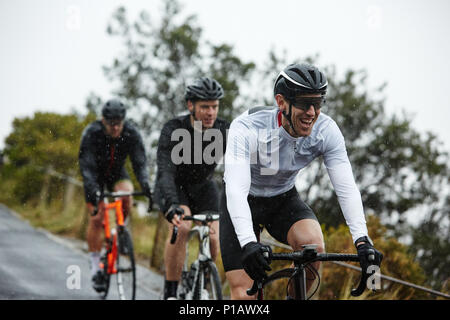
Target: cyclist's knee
pixel 318 242
pixel 124 185
pixel 306 232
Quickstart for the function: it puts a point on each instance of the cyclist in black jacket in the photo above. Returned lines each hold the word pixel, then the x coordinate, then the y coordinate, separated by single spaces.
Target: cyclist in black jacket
pixel 189 149
pixel 105 145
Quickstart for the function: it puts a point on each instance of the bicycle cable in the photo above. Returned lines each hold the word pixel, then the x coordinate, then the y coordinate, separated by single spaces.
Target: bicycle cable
pixel 316 276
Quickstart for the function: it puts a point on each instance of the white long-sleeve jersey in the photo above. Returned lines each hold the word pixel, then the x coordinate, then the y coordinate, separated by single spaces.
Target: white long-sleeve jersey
pixel 262 159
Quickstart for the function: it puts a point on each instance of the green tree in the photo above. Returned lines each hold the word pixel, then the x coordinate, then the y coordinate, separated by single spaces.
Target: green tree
pixel 431 245
pixel 37 142
pixel 160 59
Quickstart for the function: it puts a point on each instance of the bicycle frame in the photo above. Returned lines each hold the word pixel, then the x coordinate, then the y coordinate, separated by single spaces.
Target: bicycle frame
pixel 192 275
pixel 118 243
pixel 202 233
pixel 110 237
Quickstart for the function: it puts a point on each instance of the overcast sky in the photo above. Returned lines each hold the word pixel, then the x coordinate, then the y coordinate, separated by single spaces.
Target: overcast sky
pixel 52 50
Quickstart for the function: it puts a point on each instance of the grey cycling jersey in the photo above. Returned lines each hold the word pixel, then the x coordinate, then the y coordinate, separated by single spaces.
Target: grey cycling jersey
pixel 263 159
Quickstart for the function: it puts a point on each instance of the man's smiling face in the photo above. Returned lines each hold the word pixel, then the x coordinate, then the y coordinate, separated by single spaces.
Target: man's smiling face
pixel 305 111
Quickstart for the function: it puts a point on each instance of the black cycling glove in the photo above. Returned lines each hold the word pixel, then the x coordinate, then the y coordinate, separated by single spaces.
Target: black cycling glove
pixel 97 198
pixel 174 209
pixel 367 254
pixel 148 193
pixel 256 260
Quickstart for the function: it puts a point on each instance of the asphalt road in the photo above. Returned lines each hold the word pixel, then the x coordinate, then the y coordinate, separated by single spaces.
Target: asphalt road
pixel 35 265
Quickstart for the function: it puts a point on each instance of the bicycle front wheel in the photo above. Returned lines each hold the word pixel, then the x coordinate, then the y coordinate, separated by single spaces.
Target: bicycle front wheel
pixel 276 284
pixel 126 267
pixel 209 286
pixel 106 275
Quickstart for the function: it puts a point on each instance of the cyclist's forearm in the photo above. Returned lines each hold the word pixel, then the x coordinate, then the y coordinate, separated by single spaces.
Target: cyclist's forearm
pixel 237 186
pixel 140 162
pixel 349 198
pixel 168 188
pixel 166 174
pixel 237 177
pixel 143 178
pixel 90 184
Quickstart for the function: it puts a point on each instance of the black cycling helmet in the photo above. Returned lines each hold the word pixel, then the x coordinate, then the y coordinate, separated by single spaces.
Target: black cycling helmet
pixel 298 79
pixel 114 109
pixel 204 88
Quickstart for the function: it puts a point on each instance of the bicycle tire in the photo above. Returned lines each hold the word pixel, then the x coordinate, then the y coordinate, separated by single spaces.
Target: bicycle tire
pixel 187 285
pixel 106 275
pixel 126 266
pixel 213 285
pixel 184 286
pixel 208 286
pixel 278 275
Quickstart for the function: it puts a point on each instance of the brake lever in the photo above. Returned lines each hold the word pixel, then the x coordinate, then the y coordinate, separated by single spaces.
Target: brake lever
pixel 257 285
pixel 99 197
pixel 361 286
pixel 174 235
pixel 364 277
pixel 94 212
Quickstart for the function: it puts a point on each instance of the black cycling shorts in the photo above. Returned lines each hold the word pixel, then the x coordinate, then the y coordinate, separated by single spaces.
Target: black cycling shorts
pixel 198 197
pixel 113 178
pixel 277 214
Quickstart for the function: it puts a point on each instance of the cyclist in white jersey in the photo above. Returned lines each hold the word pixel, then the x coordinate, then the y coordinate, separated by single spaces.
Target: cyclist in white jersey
pixel 266 149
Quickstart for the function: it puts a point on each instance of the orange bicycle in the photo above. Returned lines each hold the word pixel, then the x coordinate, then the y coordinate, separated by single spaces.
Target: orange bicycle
pixel 117 255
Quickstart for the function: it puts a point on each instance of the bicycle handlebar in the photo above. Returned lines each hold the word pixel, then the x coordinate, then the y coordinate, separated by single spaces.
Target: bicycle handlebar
pixel 204 217
pixel 122 194
pixel 309 255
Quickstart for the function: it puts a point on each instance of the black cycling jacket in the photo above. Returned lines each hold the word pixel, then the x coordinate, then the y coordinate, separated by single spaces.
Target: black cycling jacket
pixel 102 158
pixel 169 174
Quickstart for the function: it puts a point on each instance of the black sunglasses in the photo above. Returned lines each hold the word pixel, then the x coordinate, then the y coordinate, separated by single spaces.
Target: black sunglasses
pixel 306 103
pixel 114 122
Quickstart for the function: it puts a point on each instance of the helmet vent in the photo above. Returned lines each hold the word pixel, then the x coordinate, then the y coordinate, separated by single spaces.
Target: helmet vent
pixel 300 73
pixel 313 75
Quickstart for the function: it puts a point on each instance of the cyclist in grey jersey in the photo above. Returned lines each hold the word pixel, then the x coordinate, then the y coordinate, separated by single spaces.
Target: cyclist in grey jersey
pixel 279 159
pixel 266 148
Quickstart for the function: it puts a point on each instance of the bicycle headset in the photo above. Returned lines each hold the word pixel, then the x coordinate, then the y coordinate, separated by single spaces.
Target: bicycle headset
pixel 297 79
